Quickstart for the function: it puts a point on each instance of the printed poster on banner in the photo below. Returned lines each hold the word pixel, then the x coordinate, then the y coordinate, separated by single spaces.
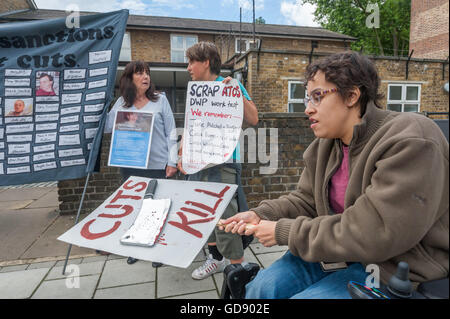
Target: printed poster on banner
pixel 131 139
pixel 194 213
pixel 56 84
pixel 213 121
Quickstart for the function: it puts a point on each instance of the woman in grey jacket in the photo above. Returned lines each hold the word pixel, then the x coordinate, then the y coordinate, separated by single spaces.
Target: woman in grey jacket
pixel 374 190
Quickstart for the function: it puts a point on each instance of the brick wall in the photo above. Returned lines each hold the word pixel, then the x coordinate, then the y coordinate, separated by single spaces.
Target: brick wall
pixel 269 86
pixel 294 136
pixel 429 32
pixel 12 5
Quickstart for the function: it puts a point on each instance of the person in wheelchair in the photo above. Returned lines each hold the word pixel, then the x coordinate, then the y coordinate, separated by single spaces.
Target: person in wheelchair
pixel 374 190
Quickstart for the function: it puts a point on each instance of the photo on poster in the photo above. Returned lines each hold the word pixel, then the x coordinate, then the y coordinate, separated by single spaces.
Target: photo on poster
pixel 131 139
pixel 47 83
pixel 18 107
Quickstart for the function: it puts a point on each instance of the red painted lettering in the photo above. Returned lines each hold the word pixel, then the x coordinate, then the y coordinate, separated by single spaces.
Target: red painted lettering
pixel 127 186
pixel 86 233
pixel 120 196
pixel 184 225
pixel 212 210
pixel 127 208
pixel 218 195
pixel 194 211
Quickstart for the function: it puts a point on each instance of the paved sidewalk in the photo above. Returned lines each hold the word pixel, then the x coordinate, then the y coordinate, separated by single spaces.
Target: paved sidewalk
pixel 32 259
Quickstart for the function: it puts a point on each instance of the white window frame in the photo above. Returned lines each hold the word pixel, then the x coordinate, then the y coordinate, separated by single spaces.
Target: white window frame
pixel 289 95
pixel 248 41
pixel 125 49
pixel 184 36
pixel 403 100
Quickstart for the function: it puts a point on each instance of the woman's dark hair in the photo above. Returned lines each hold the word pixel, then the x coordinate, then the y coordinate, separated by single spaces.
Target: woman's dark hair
pixel 127 87
pixel 348 70
pixel 205 51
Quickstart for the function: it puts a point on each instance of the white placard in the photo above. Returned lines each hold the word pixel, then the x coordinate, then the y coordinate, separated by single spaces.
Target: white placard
pixel 95 96
pixel 2 171
pixel 195 210
pixel 90 132
pixel 74 86
pixel 74 162
pixel 18 119
pixel 73 139
pixel 213 121
pixel 43 166
pixel 18 170
pixel 17 82
pixel 19 138
pixel 19 128
pixel 45 137
pixel 70 152
pixel 46 126
pixel 47 98
pixel 69 110
pixel 99 56
pixel 17 72
pixel 17 91
pixel 69 128
pixel 2 133
pixel 44 148
pixel 97 72
pixel 91 118
pixel 74 74
pixel 43 156
pixel 14 149
pixel 2 145
pixel 18 160
pixel 97 84
pixel 69 119
pixel 47 117
pixel 71 98
pixel 43 108
pixel 2 156
pixel 94 107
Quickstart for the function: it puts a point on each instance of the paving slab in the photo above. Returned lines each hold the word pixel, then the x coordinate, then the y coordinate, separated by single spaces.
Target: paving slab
pixel 48 245
pixel 58 289
pixel 211 294
pixel 81 269
pixel 174 281
pixel 269 258
pixel 19 230
pixel 48 200
pixel 259 248
pixel 47 264
pixel 75 261
pixel 24 193
pixel 138 291
pixel 20 284
pixel 16 204
pixel 118 273
pixel 14 268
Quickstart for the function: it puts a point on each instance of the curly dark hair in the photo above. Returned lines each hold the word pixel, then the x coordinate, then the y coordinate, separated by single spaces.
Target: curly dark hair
pixel 127 87
pixel 348 70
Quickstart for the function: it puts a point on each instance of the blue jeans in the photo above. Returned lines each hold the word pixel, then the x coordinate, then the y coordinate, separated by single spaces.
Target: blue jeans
pixel 292 277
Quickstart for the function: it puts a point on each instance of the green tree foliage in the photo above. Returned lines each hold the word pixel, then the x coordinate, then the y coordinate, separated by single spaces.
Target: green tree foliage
pixel 260 20
pixel 350 16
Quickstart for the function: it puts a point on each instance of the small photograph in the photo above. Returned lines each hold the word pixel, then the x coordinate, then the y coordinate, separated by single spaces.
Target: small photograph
pixel 133 121
pixel 18 107
pixel 47 83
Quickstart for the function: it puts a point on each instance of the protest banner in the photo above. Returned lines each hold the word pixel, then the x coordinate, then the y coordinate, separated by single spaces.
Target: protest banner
pixel 131 139
pixel 194 212
pixel 56 84
pixel 213 121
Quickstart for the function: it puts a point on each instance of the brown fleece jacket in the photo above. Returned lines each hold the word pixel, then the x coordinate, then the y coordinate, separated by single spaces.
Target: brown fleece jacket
pixel 396 202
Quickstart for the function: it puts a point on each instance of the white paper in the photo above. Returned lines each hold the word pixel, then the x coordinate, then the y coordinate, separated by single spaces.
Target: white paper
pixel 74 86
pixel 17 91
pixel 99 56
pixel 44 166
pixel 15 149
pixel 19 128
pixel 46 126
pixel 44 148
pixel 18 119
pixel 70 152
pixel 95 96
pixel 97 84
pixel 94 107
pixel 19 138
pixel 18 170
pixel 74 74
pixel 91 118
pixel 97 72
pixel 69 139
pixel 18 160
pixel 17 82
pixel 71 98
pixel 43 108
pixel 47 98
pixel 90 132
pixel 69 119
pixel 74 162
pixel 45 137
pixel 17 72
pixel 69 128
pixel 47 117
pixel 43 156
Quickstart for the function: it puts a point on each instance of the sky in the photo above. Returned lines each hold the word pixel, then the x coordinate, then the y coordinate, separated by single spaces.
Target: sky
pixel 285 12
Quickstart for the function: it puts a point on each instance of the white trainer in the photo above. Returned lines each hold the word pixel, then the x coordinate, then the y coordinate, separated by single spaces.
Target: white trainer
pixel 211 266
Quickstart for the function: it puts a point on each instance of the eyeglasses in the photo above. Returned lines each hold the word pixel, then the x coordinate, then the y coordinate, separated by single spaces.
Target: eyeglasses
pixel 316 96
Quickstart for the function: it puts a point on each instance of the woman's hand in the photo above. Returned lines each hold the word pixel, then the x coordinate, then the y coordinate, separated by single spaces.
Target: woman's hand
pixel 241 223
pixel 170 171
pixel 227 80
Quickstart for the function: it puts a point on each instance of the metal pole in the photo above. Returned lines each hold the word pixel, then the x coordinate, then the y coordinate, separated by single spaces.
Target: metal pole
pixel 240 31
pixel 254 22
pixel 76 220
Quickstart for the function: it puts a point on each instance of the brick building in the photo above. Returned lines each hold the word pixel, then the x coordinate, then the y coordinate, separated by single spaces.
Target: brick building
pixel 429 29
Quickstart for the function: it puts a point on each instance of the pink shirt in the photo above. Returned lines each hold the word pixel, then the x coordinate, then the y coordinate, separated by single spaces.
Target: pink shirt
pixel 338 184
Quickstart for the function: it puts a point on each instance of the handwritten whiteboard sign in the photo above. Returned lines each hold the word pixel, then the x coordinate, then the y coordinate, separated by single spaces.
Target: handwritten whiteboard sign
pixel 195 210
pixel 213 121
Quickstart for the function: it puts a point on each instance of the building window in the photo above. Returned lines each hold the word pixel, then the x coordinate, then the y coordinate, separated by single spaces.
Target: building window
pixel 403 97
pixel 125 50
pixel 178 46
pixel 243 45
pixel 296 96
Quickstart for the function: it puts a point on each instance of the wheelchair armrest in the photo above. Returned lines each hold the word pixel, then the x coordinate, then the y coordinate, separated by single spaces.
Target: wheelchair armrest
pixel 436 289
